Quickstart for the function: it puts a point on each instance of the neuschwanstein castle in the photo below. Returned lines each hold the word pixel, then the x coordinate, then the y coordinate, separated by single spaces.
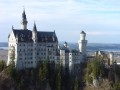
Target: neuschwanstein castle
pixel 28 47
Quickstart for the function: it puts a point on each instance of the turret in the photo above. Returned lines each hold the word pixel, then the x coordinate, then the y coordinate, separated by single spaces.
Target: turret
pixel 34 37
pixel 82 43
pixel 24 21
pixel 16 38
pixel 34 33
pixel 65 44
pixel 82 35
pixel 111 56
pixel 53 37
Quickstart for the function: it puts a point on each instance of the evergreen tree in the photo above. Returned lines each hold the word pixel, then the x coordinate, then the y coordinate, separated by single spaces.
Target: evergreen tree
pixel 58 79
pixel 116 86
pixel 96 69
pixel 2 65
pixel 11 67
pixel 76 84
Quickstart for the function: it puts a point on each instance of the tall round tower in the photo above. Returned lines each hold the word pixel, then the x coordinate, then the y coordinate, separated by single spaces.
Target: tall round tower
pixel 82 43
pixel 24 21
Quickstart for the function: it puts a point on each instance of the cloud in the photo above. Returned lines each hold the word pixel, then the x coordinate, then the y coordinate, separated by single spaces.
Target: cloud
pixel 96 17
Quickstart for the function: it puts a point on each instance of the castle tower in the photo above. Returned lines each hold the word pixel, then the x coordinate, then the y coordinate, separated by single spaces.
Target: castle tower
pixel 65 44
pixel 111 56
pixel 34 38
pixel 24 21
pixel 82 43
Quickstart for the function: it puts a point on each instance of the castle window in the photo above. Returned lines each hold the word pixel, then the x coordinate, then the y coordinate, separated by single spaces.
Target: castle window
pixel 20 58
pixel 44 53
pixel 37 53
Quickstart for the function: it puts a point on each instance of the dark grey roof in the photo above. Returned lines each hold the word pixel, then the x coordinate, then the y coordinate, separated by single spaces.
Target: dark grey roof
pixel 67 50
pixel 23 35
pixel 74 51
pixel 82 32
pixel 23 15
pixel 34 28
pixel 26 36
pixel 47 37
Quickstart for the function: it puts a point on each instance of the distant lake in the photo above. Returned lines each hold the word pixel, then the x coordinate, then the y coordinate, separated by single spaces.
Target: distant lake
pixel 4 48
pixel 90 46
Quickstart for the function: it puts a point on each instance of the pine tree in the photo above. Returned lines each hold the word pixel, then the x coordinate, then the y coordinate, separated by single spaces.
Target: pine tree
pixel 58 79
pixel 76 84
pixel 2 65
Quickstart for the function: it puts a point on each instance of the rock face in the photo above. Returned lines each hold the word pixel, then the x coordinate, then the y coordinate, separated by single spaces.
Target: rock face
pixel 95 82
pixel 103 85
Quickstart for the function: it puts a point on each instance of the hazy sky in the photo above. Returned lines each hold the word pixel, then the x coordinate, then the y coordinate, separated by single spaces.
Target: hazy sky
pixel 100 19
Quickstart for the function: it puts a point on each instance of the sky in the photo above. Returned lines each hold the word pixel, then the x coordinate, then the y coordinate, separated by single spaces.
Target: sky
pixel 100 19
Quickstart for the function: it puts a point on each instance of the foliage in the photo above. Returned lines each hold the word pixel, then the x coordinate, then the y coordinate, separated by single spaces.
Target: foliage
pixel 76 84
pixel 43 72
pixel 11 70
pixel 96 69
pixel 59 78
pixel 88 73
pixel 116 86
pixel 117 68
pixel 2 65
pixel 88 79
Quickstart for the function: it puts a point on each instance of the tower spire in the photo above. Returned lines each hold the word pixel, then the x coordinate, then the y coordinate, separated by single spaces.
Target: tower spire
pixel 34 27
pixel 24 21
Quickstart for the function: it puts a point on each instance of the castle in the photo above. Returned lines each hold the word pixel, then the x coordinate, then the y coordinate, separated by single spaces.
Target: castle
pixel 27 47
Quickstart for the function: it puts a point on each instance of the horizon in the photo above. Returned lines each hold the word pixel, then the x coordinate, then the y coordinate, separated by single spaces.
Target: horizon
pixel 77 43
pixel 99 19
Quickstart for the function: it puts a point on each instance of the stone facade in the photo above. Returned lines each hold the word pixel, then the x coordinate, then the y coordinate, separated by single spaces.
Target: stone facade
pixel 31 46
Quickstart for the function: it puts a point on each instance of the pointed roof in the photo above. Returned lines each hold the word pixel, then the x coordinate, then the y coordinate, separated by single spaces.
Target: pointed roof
pixel 34 27
pixel 12 27
pixel 82 32
pixel 23 14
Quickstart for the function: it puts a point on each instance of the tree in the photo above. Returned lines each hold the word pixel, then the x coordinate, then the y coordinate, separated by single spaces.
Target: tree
pixel 21 84
pixel 11 67
pixel 96 69
pixel 88 75
pixel 2 65
pixel 58 79
pixel 76 84
pixel 116 86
